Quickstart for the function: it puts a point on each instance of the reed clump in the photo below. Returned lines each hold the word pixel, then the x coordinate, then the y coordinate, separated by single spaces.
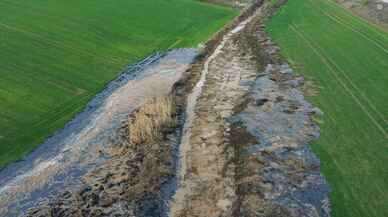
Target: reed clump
pixel 151 120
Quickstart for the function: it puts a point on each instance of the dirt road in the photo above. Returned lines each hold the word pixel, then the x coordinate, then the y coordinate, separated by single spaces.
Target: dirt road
pixel 207 174
pixel 241 148
pixel 244 149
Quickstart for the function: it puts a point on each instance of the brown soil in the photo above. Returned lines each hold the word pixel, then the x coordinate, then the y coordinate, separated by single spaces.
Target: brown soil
pixel 375 11
pixel 208 177
pixel 129 183
pixel 218 175
pixel 240 4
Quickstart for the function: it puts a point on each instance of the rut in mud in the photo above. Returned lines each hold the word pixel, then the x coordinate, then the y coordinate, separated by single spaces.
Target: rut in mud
pixel 242 139
pixel 206 173
pixel 244 149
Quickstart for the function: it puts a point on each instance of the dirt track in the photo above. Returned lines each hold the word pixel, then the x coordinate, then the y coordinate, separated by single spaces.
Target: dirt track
pixel 242 143
pixel 243 151
pixel 207 174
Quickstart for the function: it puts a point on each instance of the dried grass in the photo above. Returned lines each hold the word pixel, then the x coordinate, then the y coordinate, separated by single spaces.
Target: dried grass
pixel 150 121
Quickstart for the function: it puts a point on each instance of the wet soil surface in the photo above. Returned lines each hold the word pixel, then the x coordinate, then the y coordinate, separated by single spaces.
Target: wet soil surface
pixel 278 173
pixel 207 172
pixel 232 3
pixel 373 10
pixel 244 150
pixel 240 147
pixel 87 142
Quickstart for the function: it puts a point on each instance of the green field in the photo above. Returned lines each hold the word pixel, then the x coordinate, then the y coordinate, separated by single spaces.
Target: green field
pixel 347 59
pixel 56 55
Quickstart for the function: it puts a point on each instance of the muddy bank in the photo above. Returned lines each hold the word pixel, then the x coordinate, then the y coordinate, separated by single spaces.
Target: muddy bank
pixel 244 149
pixel 241 4
pixel 86 182
pixel 137 180
pixel 239 146
pixel 372 10
pixel 278 173
pixel 86 142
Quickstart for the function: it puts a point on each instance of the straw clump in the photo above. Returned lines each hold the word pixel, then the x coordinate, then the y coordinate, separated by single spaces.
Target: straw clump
pixel 151 120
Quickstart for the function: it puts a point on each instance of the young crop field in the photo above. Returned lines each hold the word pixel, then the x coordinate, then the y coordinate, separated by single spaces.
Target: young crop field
pixel 347 60
pixel 56 55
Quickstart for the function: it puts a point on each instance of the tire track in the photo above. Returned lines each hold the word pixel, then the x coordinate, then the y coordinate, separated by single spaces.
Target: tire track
pixel 343 84
pixel 338 20
pixel 361 93
pixel 206 183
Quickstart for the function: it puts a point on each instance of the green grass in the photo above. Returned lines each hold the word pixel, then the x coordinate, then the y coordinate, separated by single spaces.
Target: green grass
pixel 56 55
pixel 347 59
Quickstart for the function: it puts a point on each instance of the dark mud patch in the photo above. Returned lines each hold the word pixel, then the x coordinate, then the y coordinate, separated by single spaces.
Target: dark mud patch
pixel 90 140
pixel 277 174
pixel 245 148
pixel 373 10
pixel 132 183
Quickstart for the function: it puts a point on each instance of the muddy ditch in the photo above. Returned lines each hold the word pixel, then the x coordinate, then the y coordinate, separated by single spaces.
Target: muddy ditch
pixel 88 141
pixel 244 150
pixel 221 133
pixel 90 168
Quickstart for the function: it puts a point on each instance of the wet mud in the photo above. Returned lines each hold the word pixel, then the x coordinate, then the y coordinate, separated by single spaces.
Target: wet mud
pixel 240 145
pixel 84 143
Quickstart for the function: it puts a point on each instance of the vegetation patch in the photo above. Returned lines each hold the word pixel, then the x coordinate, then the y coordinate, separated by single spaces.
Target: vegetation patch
pixel 346 59
pixel 55 56
pixel 148 123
